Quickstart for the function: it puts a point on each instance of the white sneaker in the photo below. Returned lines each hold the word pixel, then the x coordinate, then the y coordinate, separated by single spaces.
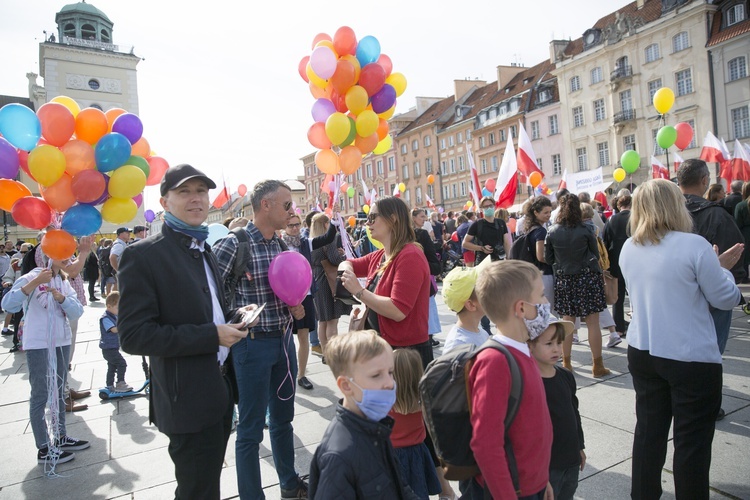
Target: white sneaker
pixel 575 339
pixel 614 340
pixel 122 386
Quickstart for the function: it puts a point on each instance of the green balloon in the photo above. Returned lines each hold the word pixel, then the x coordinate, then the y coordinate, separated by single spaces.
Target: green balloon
pixel 352 134
pixel 350 192
pixel 666 136
pixel 139 162
pixel 630 161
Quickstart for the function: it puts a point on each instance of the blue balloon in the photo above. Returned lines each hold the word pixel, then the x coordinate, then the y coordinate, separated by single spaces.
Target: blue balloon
pixel 20 126
pixel 368 50
pixel 111 152
pixel 486 192
pixel 216 232
pixel 81 220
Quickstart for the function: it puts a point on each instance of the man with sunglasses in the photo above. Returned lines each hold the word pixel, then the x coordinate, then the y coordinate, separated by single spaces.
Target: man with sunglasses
pixel 265 362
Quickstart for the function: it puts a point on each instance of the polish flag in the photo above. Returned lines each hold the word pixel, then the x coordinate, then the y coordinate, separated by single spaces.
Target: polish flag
pixel 396 191
pixel 741 162
pixel 507 179
pixel 365 191
pixel 527 163
pixel 373 196
pixel 677 162
pixel 658 170
pixel 712 151
pixel 563 182
pixel 476 188
pixel 430 203
pixel 222 197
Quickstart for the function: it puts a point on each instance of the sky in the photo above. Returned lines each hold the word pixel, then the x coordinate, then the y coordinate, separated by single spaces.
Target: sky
pixel 218 85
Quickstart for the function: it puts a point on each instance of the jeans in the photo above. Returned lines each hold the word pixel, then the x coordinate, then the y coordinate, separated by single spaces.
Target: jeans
pixel 36 360
pixel 115 364
pixel 266 371
pixel 564 482
pixel 689 392
pixel 472 490
pixel 722 322
pixel 314 341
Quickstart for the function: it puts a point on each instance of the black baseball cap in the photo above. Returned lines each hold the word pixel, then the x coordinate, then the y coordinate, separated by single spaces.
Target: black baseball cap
pixel 175 176
pixel 138 229
pixel 121 230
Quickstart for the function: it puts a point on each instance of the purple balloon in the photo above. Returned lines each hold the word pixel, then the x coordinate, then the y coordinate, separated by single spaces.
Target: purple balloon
pixel 9 163
pixel 150 215
pixel 384 99
pixel 290 277
pixel 322 108
pixel 128 125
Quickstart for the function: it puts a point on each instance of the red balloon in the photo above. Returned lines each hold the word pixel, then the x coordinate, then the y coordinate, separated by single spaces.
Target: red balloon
pixel 454 237
pixel 32 212
pixel 490 185
pixel 59 196
pixel 23 159
pixel 58 123
pixel 242 190
pixel 344 41
pixel 684 135
pixel 386 63
pixel 344 77
pixel 158 166
pixel 301 68
pixel 339 102
pixel 372 78
pixel 88 185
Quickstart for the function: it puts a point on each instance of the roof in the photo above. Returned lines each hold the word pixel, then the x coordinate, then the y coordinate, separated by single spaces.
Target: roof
pixel 85 8
pixel 429 116
pixel 8 99
pixel 719 35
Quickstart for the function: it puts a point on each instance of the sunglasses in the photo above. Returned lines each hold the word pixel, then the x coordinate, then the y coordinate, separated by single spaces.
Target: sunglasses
pixel 371 217
pixel 298 224
pixel 25 252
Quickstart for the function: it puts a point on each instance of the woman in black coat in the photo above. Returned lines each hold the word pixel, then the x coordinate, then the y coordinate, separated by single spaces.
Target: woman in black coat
pixel 615 234
pixel 91 273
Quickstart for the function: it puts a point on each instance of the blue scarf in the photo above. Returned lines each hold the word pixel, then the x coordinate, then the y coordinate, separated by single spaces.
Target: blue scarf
pixel 200 233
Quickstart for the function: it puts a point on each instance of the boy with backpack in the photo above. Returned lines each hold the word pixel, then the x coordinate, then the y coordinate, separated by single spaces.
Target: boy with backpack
pixel 512 294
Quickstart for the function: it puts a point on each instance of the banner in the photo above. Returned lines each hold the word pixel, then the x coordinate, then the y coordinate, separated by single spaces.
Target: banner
pixel 590 181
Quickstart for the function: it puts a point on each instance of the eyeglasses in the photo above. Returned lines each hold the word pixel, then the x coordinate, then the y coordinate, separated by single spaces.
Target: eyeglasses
pixel 371 217
pixel 298 224
pixel 25 251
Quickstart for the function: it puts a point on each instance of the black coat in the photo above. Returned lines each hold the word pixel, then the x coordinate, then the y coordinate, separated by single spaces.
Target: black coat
pixel 570 250
pixel 615 235
pixel 166 313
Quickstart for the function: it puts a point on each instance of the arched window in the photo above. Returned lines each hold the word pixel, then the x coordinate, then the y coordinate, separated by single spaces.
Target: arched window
pixel 88 32
pixel 105 36
pixel 680 41
pixel 69 30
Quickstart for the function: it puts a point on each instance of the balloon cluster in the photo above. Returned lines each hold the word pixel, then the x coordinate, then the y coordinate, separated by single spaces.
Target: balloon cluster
pixel 355 91
pixel 81 159
pixel 681 134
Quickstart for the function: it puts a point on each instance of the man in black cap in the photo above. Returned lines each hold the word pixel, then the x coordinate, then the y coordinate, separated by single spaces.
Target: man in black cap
pixel 122 240
pixel 172 309
pixel 139 232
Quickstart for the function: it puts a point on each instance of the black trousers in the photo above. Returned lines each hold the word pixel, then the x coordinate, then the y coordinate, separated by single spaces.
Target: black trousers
pixel 92 288
pixel 689 392
pixel 199 456
pixel 618 309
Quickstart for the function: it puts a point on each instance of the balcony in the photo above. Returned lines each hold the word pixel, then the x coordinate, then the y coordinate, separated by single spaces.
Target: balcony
pixel 624 116
pixel 621 72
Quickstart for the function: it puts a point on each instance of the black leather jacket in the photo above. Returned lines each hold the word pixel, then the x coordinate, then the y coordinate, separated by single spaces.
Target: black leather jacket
pixel 570 250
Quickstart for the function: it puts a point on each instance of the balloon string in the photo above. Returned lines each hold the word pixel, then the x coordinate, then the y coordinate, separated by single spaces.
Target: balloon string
pixel 285 339
pixel 54 382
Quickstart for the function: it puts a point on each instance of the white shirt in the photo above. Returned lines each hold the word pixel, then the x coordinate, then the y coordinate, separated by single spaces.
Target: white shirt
pixel 218 314
pixel 459 336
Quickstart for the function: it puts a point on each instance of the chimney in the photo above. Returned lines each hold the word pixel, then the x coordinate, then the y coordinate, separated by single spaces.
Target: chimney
pixel 556 47
pixel 506 73
pixel 639 4
pixel 463 86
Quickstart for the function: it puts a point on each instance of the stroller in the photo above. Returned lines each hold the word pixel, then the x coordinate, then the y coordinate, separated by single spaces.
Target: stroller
pixel 452 260
pixel 105 393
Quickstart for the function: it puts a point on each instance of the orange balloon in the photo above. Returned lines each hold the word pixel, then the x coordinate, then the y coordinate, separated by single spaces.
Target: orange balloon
pixel 79 156
pixel 355 62
pixel 343 78
pixel 430 179
pixel 382 129
pixel 141 148
pixel 10 192
pixel 344 185
pixel 59 196
pixel 327 161
pixel 352 221
pixel 58 123
pixel 91 125
pixel 366 144
pixel 534 179
pixel 350 158
pixel 316 134
pixel 320 93
pixel 345 41
pixel 58 244
pixel 112 114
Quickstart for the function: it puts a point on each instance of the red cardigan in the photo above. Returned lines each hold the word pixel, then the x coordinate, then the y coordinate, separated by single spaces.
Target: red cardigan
pixel 407 282
pixel 530 432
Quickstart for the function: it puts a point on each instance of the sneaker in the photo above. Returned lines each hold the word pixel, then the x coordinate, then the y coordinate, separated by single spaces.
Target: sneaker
pixel 93 299
pixel 299 491
pixel 46 455
pixel 317 349
pixel 6 331
pixel 67 443
pixel 721 414
pixel 434 342
pixel 122 386
pixel 15 348
pixel 305 384
pixel 575 339
pixel 614 340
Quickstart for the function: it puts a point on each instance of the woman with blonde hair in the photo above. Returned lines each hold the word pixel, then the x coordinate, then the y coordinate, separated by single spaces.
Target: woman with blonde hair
pixel 673 276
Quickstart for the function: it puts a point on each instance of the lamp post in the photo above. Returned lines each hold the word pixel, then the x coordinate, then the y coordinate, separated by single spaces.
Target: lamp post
pixel 440 186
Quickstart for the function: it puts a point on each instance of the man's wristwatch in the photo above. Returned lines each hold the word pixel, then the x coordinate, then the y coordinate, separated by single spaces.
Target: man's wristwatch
pixel 358 295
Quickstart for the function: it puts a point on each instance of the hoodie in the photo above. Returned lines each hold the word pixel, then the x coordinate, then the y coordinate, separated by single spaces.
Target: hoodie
pixel 714 223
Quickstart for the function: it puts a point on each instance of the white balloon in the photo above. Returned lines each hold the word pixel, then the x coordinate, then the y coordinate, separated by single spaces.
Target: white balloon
pixel 216 232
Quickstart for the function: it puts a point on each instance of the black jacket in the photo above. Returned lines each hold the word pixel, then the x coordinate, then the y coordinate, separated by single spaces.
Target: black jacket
pixel 615 235
pixel 166 313
pixel 355 460
pixel 570 250
pixel 713 222
pixel 731 201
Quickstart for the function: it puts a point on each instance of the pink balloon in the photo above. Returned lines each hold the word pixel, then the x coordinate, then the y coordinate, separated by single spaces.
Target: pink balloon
pixel 290 277
pixel 684 135
pixel 242 190
pixel 323 62
pixel 490 185
pixel 138 199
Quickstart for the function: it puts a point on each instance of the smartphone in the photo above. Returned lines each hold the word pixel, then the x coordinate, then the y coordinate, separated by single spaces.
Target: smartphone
pixel 248 318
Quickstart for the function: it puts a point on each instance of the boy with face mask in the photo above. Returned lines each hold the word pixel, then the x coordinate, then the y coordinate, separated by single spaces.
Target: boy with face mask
pixel 346 464
pixel 512 295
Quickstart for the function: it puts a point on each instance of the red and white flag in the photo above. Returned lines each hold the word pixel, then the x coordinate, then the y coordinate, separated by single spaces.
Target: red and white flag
pixel 677 162
pixel 430 203
pixel 507 179
pixel 712 151
pixel 563 180
pixel 658 170
pixel 527 163
pixel 222 197
pixel 741 162
pixel 396 191
pixel 373 196
pixel 476 188
pixel 365 191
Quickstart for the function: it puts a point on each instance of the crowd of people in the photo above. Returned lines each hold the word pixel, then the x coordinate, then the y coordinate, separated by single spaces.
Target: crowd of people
pixel 213 362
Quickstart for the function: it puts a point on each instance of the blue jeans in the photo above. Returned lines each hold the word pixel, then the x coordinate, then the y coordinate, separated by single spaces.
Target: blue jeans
pixel 722 322
pixel 314 338
pixel 266 371
pixel 564 482
pixel 36 360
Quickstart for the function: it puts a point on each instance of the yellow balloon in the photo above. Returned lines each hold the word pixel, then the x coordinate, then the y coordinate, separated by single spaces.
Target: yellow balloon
pixel 126 182
pixel 119 210
pixel 46 164
pixel 366 208
pixel 338 128
pixel 374 242
pixel 388 114
pixel 663 100
pixel 401 187
pixel 619 174
pixel 356 99
pixel 398 82
pixel 383 145
pixel 326 43
pixel 68 103
pixel 315 79
pixel 367 123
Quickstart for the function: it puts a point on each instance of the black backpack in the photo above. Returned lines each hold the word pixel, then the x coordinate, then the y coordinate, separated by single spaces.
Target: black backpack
pixel 521 249
pixel 242 259
pixel 446 406
pixel 106 267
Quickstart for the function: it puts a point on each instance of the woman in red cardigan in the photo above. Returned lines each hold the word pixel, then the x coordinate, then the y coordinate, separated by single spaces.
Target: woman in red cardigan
pixel 398 279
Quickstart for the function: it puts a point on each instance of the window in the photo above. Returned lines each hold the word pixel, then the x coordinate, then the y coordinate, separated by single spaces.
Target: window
pixel 416 169
pixel 391 163
pixel 653 86
pixel 680 42
pixel 461 163
pixel 603 149
pixel 69 30
pixel 657 150
pixel 443 168
pixel 652 53
pixel 628 142
pixel 359 174
pixel 684 81
pixel 737 68
pixel 483 166
pixel 493 160
pixel 502 135
pixel 442 143
pixel 693 143
pixel 428 165
pixel 575 83
pixel 450 141
pixel 626 100
pixel 463 188
pixel 582 162
pixel 492 138
pixel 431 191
pixel 741 122
pixel 599 112
pixel 535 130
pixel 452 163
pixel 427 141
pixel 94 84
pixel 735 14
pixel 446 192
pixel 513 131
pixel 455 190
pixel 380 192
pixel 544 95
pixel 578 116
pixel 418 192
pixel 368 168
pixel 407 195
pixel 539 164
pixel 88 32
pixel 468 135
pixel 405 171
pixel 379 163
pixel 556 164
pixel 404 149
pixel 596 75
pixel 553 127
pixel 481 141
pixel 414 145
pixel 460 137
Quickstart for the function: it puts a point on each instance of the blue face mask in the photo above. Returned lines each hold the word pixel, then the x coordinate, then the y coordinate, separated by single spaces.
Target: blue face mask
pixel 489 212
pixel 376 403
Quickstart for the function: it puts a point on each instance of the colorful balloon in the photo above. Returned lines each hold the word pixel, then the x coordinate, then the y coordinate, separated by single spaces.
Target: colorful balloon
pixel 345 41
pixel 119 210
pixel 430 179
pixel 140 163
pixel 59 196
pixel 534 179
pixel 490 184
pixel 619 174
pixel 242 190
pixel 372 78
pixel 377 244
pixel 344 77
pixel 79 156
pixel 301 68
pixel 58 123
pixel 112 151
pixel 10 192
pixel 319 38
pixel 20 126
pixel 10 163
pixel 323 62
pixel 350 192
pixel 337 128
pixel 128 125
pixel 368 50
pixel 126 182
pixel 356 99
pixel 663 100
pixel 398 82
pixel 88 186
pixel 383 145
pixel 149 215
pixel 386 63
pixel 158 166
pixel 81 220
pixel 69 103
pixel 630 161
pixel 350 159
pixel 112 115
pixel 216 232
pixel 384 99
pixel 32 212
pixel 290 277
pixel 366 144
pixel 322 109
pixel 401 187
pixel 91 125
pixel 58 244
pixel 388 114
pixel 666 136
pixel 366 208
pixel 141 148
pixel 367 123
pixel 316 134
pixel 684 135
pixel 327 161
pixel 46 164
